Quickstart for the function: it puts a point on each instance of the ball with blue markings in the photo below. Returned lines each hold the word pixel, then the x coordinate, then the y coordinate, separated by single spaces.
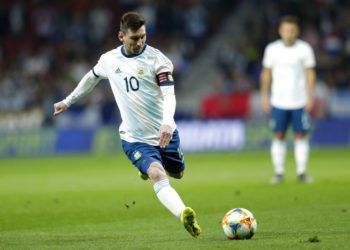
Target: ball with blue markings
pixel 239 224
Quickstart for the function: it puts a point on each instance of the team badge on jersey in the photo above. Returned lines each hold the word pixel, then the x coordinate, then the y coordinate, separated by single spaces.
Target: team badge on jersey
pixel 137 155
pixel 140 73
pixel 165 78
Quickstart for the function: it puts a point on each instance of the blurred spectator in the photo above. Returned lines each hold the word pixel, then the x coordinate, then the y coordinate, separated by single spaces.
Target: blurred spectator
pixel 17 18
pixel 196 24
pixel 100 19
pixel 148 10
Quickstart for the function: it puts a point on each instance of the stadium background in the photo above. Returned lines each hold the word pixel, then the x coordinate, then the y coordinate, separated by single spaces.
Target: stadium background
pixel 66 184
pixel 216 48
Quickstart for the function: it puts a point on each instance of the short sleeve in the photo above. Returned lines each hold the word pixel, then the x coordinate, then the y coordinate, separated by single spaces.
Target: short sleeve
pixel 267 59
pixel 309 61
pixel 98 70
pixel 163 64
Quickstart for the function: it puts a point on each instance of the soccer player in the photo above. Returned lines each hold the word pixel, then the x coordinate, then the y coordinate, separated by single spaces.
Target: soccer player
pixel 141 80
pixel 288 70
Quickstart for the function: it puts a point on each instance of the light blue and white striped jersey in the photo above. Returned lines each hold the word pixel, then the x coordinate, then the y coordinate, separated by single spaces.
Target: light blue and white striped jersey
pixel 135 81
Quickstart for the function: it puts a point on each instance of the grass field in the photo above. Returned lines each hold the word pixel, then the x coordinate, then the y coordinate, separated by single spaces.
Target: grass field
pixel 99 202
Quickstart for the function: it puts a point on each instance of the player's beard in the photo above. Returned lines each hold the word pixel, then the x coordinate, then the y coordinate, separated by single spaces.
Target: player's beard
pixel 137 50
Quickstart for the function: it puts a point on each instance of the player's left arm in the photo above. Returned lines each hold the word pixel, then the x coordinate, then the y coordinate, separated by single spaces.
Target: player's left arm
pixel 310 88
pixel 310 75
pixel 164 69
pixel 168 124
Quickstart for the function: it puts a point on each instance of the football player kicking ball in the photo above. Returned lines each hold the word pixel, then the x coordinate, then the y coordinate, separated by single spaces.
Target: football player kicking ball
pixel 141 80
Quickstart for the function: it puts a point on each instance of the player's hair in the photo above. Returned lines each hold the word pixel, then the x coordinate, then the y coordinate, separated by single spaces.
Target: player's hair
pixel 131 20
pixel 289 19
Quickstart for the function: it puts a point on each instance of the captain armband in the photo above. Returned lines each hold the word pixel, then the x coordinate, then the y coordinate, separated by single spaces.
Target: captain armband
pixel 165 79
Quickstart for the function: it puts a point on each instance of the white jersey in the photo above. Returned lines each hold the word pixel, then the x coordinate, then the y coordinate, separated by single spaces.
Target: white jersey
pixel 288 64
pixel 135 82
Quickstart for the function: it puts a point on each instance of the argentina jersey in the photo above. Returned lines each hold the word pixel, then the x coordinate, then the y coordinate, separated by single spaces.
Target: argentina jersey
pixel 135 81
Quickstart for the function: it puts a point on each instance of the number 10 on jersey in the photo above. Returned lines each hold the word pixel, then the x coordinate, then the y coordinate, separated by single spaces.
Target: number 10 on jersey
pixel 131 83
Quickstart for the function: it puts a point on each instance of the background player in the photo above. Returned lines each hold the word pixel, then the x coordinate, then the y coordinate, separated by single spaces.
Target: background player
pixel 288 68
pixel 141 80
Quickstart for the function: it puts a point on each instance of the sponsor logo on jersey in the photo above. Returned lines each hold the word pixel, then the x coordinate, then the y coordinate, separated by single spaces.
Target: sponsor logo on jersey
pixel 117 71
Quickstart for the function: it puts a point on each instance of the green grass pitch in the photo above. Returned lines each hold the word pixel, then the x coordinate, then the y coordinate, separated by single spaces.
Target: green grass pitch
pixel 99 202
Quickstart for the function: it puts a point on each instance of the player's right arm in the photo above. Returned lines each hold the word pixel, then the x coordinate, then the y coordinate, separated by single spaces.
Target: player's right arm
pixel 86 84
pixel 265 84
pixel 266 79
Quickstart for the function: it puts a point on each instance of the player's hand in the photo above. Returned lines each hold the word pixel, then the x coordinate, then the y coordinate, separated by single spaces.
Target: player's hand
pixel 165 135
pixel 309 105
pixel 265 105
pixel 59 108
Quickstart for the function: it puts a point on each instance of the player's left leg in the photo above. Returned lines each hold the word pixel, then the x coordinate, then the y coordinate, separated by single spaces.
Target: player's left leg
pixel 148 160
pixel 173 160
pixel 165 193
pixel 188 218
pixel 171 199
pixel 174 175
pixel 301 125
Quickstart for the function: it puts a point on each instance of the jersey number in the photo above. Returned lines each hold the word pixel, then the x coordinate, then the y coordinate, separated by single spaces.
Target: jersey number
pixel 131 83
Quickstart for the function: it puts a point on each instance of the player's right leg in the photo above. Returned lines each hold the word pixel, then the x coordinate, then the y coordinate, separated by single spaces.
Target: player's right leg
pixel 176 175
pixel 279 123
pixel 173 157
pixel 143 176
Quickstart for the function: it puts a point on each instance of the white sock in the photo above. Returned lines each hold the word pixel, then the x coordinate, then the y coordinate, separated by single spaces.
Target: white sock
pixel 278 155
pixel 301 154
pixel 169 197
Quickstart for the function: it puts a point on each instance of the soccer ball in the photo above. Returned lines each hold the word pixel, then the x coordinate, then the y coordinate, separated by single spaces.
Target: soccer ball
pixel 239 223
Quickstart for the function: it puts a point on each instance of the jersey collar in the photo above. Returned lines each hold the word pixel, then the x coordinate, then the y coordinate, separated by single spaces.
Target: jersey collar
pixel 132 55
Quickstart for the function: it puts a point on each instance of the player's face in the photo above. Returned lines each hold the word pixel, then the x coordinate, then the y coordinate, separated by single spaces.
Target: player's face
pixel 288 32
pixel 133 41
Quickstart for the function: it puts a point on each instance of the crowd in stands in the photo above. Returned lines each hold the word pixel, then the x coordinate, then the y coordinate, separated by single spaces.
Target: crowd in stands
pixel 48 45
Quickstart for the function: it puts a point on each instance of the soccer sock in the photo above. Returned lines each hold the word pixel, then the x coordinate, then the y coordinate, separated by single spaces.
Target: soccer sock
pixel 169 197
pixel 301 154
pixel 278 155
